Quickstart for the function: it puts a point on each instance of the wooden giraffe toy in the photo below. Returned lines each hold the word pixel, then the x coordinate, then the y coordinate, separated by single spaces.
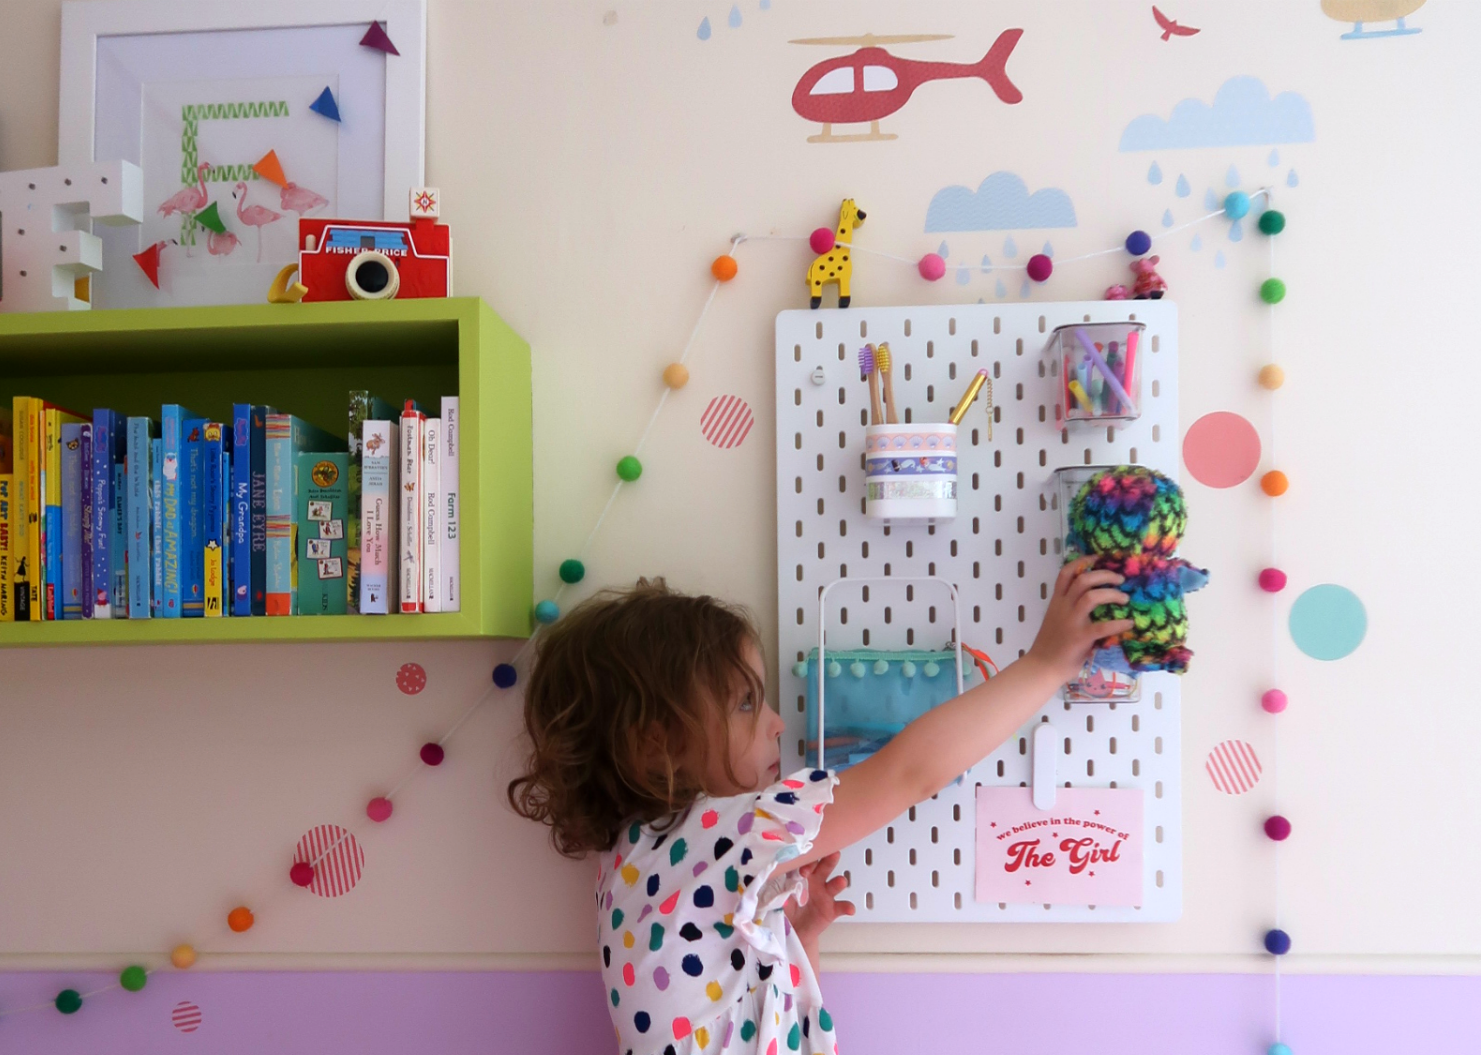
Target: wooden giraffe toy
pixel 833 266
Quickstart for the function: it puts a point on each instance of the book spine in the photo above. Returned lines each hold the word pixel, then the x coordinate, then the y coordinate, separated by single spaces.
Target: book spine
pixel 172 427
pixel 192 520
pixel 323 506
pixel 70 566
pixel 118 588
pixel 85 489
pixel 51 515
pixel 7 556
pixel 451 546
pixel 100 480
pixel 359 414
pixel 257 475
pixel 378 504
pixel 279 514
pixel 20 596
pixel 34 501
pixel 157 519
pixel 140 506
pixel 240 504
pixel 410 591
pixel 228 443
pixel 431 520
pixel 213 516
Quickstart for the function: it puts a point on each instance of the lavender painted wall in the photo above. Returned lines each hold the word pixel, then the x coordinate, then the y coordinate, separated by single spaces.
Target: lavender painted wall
pixel 383 1013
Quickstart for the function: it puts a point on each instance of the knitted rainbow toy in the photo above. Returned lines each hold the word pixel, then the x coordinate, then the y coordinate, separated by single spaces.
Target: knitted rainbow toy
pixel 1130 519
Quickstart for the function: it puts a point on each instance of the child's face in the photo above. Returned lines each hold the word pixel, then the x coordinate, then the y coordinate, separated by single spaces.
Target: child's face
pixel 755 741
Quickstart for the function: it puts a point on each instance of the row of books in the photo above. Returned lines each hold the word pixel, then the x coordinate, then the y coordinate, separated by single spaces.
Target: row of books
pixel 115 517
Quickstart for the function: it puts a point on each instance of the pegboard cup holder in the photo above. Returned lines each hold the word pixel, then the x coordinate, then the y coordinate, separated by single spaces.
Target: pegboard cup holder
pixel 910 472
pixel 1100 370
pixel 822 667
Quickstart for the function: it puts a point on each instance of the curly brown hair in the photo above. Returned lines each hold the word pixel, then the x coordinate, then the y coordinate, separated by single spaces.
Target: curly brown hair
pixel 619 709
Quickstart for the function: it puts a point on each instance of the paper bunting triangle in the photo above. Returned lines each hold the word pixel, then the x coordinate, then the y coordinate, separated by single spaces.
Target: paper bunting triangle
pixel 148 262
pixel 326 105
pixel 375 37
pixel 270 168
pixel 210 219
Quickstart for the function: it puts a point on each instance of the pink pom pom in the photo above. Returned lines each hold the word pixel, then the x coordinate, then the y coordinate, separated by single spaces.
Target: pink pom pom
pixel 932 267
pixel 1274 701
pixel 1040 267
pixel 302 873
pixel 1278 828
pixel 378 809
pixel 432 754
pixel 821 240
pixel 1272 580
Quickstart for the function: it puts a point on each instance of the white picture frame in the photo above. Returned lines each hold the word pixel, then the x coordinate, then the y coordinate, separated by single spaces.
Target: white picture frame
pixel 126 66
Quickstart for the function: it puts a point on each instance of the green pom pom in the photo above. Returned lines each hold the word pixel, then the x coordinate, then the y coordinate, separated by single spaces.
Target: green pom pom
pixel 908 669
pixel 68 1001
pixel 800 668
pixel 572 571
pixel 133 978
pixel 1272 291
pixel 834 668
pixel 629 468
pixel 881 667
pixel 856 668
pixel 1272 222
pixel 931 669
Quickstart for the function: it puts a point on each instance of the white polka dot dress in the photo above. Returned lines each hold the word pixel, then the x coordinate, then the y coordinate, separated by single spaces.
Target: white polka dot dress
pixel 696 952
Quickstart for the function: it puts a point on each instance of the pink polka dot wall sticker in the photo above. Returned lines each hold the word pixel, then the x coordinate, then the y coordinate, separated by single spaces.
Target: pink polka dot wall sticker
pixel 411 678
pixel 336 857
pixel 727 421
pixel 1221 449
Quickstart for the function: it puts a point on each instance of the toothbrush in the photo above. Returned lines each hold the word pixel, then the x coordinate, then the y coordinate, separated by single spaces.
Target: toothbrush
pixel 866 365
pixel 882 363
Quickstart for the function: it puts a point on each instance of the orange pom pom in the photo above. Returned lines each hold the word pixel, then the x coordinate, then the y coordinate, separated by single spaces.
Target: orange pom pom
pixel 1274 483
pixel 240 918
pixel 724 268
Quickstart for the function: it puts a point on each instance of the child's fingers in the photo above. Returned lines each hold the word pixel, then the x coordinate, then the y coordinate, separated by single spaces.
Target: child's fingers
pixel 1092 579
pixel 837 885
pixel 845 908
pixel 1093 599
pixel 1113 627
pixel 1068 573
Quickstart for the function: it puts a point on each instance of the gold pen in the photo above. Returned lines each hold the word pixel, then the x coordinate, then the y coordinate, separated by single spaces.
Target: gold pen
pixel 972 390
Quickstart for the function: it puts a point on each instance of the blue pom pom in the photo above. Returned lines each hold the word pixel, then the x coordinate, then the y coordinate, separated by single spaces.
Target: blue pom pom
pixel 1278 1049
pixel 1236 204
pixel 1138 242
pixel 505 675
pixel 1277 942
pixel 547 612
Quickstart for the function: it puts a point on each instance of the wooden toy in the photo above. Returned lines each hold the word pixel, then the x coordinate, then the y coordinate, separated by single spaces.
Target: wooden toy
pixel 834 267
pixel 47 249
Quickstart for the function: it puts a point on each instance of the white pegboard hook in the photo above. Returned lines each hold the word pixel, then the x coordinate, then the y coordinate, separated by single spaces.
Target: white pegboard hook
pixel 1046 758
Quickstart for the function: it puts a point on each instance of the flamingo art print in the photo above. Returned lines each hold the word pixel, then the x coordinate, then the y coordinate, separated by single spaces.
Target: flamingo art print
pixel 189 199
pixel 301 200
pixel 221 244
pixel 257 216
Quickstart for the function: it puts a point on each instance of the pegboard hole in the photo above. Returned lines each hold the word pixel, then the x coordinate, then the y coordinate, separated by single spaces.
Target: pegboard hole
pixel 1157 745
pixel 887 614
pixel 1018 346
pixel 842 395
pixel 907 327
pixel 974 437
pixel 975 481
pixel 907 371
pixel 1001 767
pixel 976 525
pixel 935 834
pixel 1157 833
pixel 842 352
pixel 797 442
pixel 868 857
pixel 974 348
pixel 820 463
pixel 799 485
pixel 1041 324
pixel 868 900
pixel 797 353
pixel 930 393
pixel 1156 389
pixel 819 331
pixel 956 812
pixel 1157 790
pixel 799 573
pixel 797 397
pixel 1136 767
pixel 912 856
pixel 889 877
pixel 799 529
pixel 908 416
pixel 951 327
pixel 956 856
pixel 1156 343
pixel 997 369
pixel 1132 456
pixel 951 370
pixel 889 834
pixel 1159 871
pixel 912 899
pixel 935 878
pixel 930 349
pixel 1157 701
pixel 976 569
pixel 863 328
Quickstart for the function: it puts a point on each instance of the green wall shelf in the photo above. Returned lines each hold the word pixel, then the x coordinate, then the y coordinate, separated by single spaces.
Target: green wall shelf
pixel 305 358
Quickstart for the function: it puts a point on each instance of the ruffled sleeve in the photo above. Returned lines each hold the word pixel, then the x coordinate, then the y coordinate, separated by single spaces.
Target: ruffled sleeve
pixel 781 825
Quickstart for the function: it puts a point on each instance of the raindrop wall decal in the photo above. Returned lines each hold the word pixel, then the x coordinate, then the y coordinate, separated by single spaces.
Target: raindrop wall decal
pixel 1291 179
pixel 1274 158
pixel 735 16
pixel 1219 258
pixel 1010 247
pixel 704 29
pixel 986 264
pixel 1167 218
pixel 1000 289
pixel 1154 174
pixel 1049 250
pixel 1183 189
pixel 1212 201
pixel 942 251
pixel 963 276
pixel 1236 231
pixel 1197 243
pixel 1023 290
pixel 1231 178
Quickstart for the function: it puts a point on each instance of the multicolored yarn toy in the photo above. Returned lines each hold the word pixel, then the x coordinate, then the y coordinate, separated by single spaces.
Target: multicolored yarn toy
pixel 1130 519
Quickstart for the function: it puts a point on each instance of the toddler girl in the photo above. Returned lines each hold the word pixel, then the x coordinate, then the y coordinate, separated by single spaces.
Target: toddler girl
pixel 653 747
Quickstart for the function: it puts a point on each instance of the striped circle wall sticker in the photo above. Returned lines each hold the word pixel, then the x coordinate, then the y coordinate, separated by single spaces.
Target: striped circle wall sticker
pixel 340 859
pixel 1233 767
pixel 186 1017
pixel 727 421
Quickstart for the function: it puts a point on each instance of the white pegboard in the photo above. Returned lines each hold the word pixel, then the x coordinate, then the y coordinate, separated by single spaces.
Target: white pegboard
pixel 1002 551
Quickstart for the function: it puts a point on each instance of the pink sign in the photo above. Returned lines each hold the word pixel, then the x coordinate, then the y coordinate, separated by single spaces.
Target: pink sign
pixel 1087 850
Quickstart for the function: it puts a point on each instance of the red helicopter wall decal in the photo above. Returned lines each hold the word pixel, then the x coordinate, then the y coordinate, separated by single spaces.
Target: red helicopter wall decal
pixel 871 83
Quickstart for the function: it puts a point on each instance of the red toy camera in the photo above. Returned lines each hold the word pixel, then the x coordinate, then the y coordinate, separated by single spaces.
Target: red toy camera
pixel 377 260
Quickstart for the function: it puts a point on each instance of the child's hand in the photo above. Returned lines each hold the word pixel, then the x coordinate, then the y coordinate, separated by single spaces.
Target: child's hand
pixel 812 916
pixel 1067 634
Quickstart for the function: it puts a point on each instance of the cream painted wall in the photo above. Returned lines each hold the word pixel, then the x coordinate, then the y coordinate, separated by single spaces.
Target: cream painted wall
pixel 591 166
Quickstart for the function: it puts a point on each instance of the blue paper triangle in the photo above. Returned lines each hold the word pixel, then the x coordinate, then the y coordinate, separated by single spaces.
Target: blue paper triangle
pixel 325 105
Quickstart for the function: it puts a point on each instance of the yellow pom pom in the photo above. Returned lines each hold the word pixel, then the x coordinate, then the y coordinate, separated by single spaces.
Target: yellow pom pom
pixel 1272 377
pixel 183 956
pixel 676 375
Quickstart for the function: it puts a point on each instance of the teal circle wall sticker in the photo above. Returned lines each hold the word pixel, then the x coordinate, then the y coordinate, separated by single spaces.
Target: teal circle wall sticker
pixel 1328 622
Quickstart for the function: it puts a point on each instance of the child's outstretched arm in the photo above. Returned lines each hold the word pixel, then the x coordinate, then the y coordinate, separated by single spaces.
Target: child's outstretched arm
pixel 939 746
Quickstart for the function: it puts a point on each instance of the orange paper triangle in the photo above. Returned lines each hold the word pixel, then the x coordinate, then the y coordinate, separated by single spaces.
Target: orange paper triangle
pixel 271 169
